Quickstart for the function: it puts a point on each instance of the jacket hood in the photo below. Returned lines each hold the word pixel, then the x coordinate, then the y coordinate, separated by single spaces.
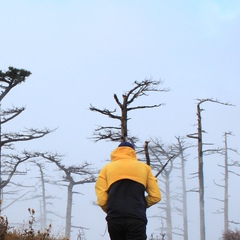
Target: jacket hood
pixel 121 153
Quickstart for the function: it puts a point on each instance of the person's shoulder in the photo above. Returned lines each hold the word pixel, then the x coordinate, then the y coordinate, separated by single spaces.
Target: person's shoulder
pixel 143 164
pixel 105 166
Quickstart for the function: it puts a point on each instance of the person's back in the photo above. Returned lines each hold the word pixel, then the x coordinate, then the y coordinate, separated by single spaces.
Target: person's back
pixel 126 199
pixel 120 190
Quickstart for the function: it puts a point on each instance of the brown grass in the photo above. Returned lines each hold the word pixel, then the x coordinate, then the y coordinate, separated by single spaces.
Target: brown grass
pixel 231 235
pixel 27 234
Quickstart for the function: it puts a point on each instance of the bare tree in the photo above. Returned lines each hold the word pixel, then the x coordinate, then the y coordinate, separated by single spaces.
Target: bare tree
pixel 226 166
pixel 199 138
pixel 182 147
pixel 121 133
pixel 160 154
pixel 9 160
pixel 83 172
pixel 44 201
pixel 226 179
pixel 42 194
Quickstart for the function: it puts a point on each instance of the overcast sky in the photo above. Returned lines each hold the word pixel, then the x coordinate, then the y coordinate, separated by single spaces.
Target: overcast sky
pixel 82 52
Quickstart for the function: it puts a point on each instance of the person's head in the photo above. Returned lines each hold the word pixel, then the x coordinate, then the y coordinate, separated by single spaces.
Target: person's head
pixel 124 150
pixel 126 144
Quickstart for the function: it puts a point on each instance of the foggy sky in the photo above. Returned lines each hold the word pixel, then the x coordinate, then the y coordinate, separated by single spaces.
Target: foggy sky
pixel 82 52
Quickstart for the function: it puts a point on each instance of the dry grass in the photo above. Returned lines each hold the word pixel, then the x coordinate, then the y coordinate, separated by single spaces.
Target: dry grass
pixel 30 234
pixel 231 235
pixel 26 234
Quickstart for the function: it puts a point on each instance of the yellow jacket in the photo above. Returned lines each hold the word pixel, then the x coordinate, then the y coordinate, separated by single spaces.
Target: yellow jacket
pixel 125 165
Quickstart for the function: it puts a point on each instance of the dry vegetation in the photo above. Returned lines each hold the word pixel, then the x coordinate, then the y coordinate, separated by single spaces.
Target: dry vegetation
pixel 27 234
pixel 231 235
pixel 30 234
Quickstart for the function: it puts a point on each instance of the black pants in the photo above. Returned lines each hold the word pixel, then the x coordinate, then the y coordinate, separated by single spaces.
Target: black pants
pixel 127 229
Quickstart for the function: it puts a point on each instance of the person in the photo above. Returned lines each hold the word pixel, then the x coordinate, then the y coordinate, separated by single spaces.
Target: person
pixel 125 188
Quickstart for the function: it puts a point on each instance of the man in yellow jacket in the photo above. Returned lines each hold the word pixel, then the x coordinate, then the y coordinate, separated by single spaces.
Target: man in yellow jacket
pixel 120 189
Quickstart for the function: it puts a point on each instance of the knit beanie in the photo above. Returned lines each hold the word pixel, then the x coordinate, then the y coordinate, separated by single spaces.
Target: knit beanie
pixel 126 144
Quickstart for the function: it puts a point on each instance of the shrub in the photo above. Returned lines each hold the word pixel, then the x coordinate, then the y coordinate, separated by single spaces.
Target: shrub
pixel 231 235
pixel 3 227
pixel 27 234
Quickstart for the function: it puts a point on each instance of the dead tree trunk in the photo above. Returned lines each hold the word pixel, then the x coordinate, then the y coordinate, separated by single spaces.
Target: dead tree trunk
pixel 226 166
pixel 44 202
pixel 168 205
pixel 200 175
pixel 184 189
pixel 200 163
pixel 69 209
pixel 226 221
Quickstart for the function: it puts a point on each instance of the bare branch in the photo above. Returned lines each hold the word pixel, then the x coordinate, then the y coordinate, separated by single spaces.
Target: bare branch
pixel 193 135
pixel 200 101
pixel 105 112
pixel 143 107
pixel 9 114
pixel 11 163
pixel 27 135
pixel 139 89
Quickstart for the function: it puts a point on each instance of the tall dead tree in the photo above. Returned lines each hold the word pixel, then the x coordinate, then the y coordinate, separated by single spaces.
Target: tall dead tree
pixel 181 146
pixel 42 195
pixel 9 161
pixel 226 171
pixel 41 192
pixel 160 154
pixel 84 174
pixel 226 221
pixel 199 138
pixel 121 133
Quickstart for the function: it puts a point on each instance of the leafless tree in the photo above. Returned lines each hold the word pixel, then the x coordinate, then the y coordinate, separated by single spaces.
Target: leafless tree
pixel 121 133
pixel 160 154
pixel 9 160
pixel 84 174
pixel 182 147
pixel 199 138
pixel 44 197
pixel 226 168
pixel 40 192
